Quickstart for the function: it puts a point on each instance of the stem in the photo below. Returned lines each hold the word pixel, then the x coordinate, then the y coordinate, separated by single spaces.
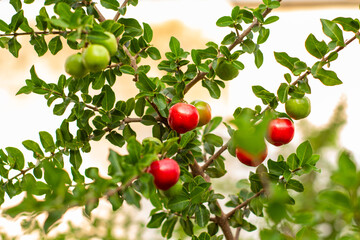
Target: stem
pixel 30 33
pixel 118 13
pixel 245 203
pixel 216 155
pixel 237 234
pixel 101 17
pixel 238 40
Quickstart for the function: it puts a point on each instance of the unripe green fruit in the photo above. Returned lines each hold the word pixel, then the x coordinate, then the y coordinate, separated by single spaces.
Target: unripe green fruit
pixel 298 108
pixel 75 66
pixel 174 190
pixel 204 110
pixel 110 43
pixel 226 70
pixel 96 57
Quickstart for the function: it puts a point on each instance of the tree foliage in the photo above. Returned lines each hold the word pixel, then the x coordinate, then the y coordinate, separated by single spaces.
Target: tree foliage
pixel 270 190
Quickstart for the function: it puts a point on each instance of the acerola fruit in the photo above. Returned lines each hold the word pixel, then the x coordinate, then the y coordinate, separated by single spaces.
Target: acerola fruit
pixel 166 173
pixel 183 117
pixel 226 70
pixel 174 190
pixel 250 159
pixel 110 43
pixel 204 112
pixel 280 131
pixel 75 66
pixel 96 57
pixel 298 108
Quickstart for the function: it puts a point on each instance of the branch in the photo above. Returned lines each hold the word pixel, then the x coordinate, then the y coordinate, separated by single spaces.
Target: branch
pixel 238 40
pixel 245 203
pixel 101 17
pixel 215 156
pixel 30 33
pixel 118 13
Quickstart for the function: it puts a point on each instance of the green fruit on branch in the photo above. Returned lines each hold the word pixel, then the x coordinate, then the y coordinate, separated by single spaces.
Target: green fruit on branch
pixel 298 108
pixel 110 43
pixel 226 70
pixel 204 110
pixel 75 67
pixel 96 57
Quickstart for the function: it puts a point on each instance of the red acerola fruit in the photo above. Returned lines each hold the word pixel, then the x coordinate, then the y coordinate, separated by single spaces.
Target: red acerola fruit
pixel 183 117
pixel 166 173
pixel 280 131
pixel 249 159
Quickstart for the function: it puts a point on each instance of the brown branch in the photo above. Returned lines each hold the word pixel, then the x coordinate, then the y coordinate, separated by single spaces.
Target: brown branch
pixel 101 17
pixel 245 203
pixel 118 13
pixel 30 33
pixel 237 234
pixel 238 40
pixel 215 156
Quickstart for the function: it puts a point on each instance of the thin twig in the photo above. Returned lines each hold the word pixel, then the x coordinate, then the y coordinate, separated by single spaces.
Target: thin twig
pixel 238 40
pixel 117 15
pixel 215 156
pixel 243 204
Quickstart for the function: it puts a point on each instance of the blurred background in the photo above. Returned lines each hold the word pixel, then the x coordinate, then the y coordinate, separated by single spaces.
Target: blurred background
pixel 335 110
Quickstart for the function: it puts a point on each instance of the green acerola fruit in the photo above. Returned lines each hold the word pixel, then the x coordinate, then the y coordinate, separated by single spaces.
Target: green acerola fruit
pixel 226 70
pixel 298 108
pixel 75 67
pixel 96 57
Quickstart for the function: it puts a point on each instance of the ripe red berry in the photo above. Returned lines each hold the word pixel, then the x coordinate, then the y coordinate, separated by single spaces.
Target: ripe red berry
pixel 280 131
pixel 183 117
pixel 166 173
pixel 250 159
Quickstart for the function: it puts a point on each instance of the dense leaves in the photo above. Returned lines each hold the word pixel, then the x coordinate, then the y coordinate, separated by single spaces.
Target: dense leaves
pixel 91 110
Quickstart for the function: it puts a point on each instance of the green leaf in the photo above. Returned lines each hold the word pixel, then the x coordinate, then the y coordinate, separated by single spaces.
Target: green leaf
pixel 160 101
pixel 174 46
pixel 277 168
pixel 272 19
pixel 212 87
pixel 333 31
pixel 259 58
pixel 154 53
pixel 116 139
pixel 213 139
pixel 263 94
pixel 39 44
pixel 16 157
pixel 132 197
pixel 109 98
pixel 47 141
pixel 127 69
pixel 75 158
pixel 295 185
pixel 168 227
pixel 282 92
pixel 145 84
pixel 14 47
pixel 33 146
pixel 110 4
pixel 346 172
pixel 316 48
pixel 224 21
pixel 52 217
pixel 248 46
pixel 327 77
pixel 148 33
pixel 116 201
pixel 293 161
pixel 55 45
pixel 60 108
pixel 178 203
pixel 132 26
pixel 263 35
pixel 213 124
pixel 16 4
pixel 4 27
pixel 335 199
pixel 156 220
pixel 348 24
pixel 202 215
pixel 16 20
pixel 285 60
pixel 304 152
